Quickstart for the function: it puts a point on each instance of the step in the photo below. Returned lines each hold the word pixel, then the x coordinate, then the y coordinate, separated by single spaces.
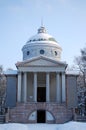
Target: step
pixel 2 119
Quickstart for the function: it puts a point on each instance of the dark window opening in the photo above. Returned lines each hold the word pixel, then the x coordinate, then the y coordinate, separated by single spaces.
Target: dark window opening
pixel 41 51
pixel 41 94
pixel 56 53
pixel 41 114
pixel 28 52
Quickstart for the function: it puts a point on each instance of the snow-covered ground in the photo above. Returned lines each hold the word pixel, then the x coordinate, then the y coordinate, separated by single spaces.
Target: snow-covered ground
pixel 66 126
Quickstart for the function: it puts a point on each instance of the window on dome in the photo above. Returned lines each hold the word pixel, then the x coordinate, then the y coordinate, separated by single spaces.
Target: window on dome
pixel 56 53
pixel 34 40
pixel 52 39
pixel 41 51
pixel 39 39
pixel 28 52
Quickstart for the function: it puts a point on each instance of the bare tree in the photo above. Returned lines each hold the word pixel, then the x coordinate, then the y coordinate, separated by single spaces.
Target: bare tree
pixel 81 65
pixel 2 90
pixel 2 81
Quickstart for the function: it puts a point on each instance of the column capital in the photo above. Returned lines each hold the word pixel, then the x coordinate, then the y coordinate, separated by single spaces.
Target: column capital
pixel 63 73
pixel 19 72
pixel 58 72
pixel 47 72
pixel 34 72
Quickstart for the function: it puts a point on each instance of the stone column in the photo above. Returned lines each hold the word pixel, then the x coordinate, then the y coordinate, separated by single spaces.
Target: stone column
pixel 47 87
pixel 35 87
pixel 58 88
pixel 19 87
pixel 25 86
pixel 63 88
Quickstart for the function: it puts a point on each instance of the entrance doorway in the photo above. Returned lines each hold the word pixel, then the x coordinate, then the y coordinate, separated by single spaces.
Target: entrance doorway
pixel 41 94
pixel 41 116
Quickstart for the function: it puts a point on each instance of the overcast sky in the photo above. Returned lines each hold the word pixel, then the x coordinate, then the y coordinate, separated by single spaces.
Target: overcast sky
pixel 65 20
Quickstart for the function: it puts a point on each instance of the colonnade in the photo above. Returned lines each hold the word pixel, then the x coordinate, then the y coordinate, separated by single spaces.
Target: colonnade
pixel 60 87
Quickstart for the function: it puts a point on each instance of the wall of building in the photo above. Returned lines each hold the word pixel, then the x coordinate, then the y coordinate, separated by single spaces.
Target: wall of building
pixel 11 91
pixel 71 88
pixel 22 112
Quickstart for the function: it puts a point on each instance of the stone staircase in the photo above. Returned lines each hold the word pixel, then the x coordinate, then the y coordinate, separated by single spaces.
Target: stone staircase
pixel 2 119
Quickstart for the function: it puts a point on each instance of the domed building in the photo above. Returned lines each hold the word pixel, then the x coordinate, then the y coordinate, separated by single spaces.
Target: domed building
pixel 42 44
pixel 41 91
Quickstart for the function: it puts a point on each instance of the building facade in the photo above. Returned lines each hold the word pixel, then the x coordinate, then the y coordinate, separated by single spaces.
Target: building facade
pixel 41 91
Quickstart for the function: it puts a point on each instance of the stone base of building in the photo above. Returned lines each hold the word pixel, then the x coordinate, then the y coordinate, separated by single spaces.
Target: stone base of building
pixel 27 113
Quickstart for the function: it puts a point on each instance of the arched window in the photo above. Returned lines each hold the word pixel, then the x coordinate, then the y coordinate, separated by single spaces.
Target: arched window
pixel 56 53
pixel 28 52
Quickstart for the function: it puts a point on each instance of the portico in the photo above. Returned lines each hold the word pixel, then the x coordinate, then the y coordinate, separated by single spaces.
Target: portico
pixel 41 76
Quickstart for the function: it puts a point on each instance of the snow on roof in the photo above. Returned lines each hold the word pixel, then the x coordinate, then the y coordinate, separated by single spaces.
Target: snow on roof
pixel 72 72
pixel 11 72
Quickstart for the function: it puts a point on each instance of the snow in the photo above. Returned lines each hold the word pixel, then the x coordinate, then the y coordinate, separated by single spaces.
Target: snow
pixel 67 126
pixel 11 72
pixel 13 126
pixel 72 72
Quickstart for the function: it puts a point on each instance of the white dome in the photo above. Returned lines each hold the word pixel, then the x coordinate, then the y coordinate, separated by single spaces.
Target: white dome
pixel 42 36
pixel 41 44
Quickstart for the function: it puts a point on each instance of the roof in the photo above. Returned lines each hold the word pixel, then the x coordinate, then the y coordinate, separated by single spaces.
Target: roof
pixel 42 36
pixel 72 72
pixel 42 42
pixel 11 72
pixel 44 58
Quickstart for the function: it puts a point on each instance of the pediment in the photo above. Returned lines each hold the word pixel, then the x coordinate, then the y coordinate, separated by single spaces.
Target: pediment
pixel 41 61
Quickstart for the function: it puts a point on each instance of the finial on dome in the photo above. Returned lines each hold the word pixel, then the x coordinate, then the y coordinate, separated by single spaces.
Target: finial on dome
pixel 41 22
pixel 42 28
